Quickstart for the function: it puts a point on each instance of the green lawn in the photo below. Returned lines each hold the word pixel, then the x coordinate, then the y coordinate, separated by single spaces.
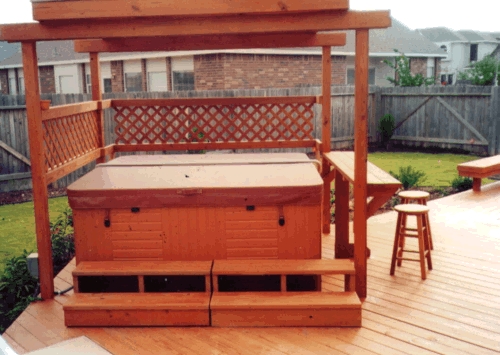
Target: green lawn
pixel 17 227
pixel 440 169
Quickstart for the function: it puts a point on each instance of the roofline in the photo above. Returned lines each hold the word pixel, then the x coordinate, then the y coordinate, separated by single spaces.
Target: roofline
pixel 153 55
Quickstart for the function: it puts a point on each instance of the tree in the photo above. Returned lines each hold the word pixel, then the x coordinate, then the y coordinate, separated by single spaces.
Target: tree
pixel 482 72
pixel 404 76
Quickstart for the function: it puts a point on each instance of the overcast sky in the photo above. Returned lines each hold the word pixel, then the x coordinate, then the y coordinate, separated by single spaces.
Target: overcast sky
pixel 480 15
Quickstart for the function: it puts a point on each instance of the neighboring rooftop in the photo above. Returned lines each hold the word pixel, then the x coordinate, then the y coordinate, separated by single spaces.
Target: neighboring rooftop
pixel 443 34
pixel 8 49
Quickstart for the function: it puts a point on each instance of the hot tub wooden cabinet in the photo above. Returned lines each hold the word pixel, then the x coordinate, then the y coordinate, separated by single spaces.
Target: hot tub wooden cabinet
pixel 197 212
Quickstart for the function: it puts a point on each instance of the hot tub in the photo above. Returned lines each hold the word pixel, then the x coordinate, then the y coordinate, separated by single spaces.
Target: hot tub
pixel 198 207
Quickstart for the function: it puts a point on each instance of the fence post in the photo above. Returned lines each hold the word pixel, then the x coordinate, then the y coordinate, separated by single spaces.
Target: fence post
pixel 379 110
pixel 494 146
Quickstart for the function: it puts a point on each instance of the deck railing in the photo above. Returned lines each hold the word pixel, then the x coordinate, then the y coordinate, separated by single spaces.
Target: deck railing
pixel 215 123
pixel 71 137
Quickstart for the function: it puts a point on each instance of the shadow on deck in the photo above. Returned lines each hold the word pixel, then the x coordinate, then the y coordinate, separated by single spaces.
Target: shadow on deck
pixel 455 311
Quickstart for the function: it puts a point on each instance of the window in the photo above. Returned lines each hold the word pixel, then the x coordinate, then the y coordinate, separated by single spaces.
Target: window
pixel 89 84
pixel 108 87
pixel 444 79
pixel 443 47
pixel 20 85
pixel 430 68
pixel 183 80
pixel 133 82
pixel 157 81
pixel 473 52
pixel 351 76
pixel 450 79
pixel 12 86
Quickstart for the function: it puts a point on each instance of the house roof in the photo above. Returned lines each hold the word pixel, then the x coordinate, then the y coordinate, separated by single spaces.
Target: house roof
pixel 383 42
pixel 8 49
pixel 443 34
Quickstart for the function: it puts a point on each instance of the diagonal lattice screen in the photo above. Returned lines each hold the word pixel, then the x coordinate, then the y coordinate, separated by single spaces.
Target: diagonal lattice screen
pixel 214 123
pixel 68 138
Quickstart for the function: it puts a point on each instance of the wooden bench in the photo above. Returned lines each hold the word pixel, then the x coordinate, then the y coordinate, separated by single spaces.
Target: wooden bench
pixel 381 187
pixel 479 169
pixel 284 307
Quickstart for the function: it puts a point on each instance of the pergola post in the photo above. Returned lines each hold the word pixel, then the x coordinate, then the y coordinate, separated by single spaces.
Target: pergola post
pixel 95 79
pixel 38 173
pixel 326 131
pixel 360 160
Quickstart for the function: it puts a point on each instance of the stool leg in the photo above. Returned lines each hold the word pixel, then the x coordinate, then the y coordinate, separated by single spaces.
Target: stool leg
pixel 428 243
pixel 428 228
pixel 402 230
pixel 396 244
pixel 421 245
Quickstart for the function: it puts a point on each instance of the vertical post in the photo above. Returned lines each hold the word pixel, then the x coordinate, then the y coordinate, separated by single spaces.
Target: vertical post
pixel 494 143
pixel 326 132
pixel 341 217
pixel 360 160
pixel 95 78
pixel 38 173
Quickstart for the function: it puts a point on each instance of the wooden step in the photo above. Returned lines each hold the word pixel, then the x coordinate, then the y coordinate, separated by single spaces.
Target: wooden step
pixel 141 270
pixel 137 309
pixel 284 267
pixel 125 268
pixel 247 309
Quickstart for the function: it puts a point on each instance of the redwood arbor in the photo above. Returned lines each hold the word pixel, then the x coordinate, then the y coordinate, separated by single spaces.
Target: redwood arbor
pixel 60 138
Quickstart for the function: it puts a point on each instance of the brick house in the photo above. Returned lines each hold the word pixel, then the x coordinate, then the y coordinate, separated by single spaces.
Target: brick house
pixel 64 71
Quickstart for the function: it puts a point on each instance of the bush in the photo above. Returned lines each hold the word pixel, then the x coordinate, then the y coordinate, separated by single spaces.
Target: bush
pixel 17 286
pixel 386 127
pixel 409 176
pixel 63 243
pixel 461 183
pixel 16 289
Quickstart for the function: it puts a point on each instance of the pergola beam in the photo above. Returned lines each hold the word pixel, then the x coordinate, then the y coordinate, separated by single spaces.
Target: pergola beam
pixel 88 9
pixel 189 26
pixel 207 42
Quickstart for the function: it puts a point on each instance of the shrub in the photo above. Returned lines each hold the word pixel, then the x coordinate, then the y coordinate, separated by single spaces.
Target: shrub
pixel 63 243
pixel 16 289
pixel 461 183
pixel 404 76
pixel 409 176
pixel 386 127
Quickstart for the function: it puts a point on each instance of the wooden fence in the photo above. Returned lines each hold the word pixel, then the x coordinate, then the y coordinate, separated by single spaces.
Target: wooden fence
pixel 444 117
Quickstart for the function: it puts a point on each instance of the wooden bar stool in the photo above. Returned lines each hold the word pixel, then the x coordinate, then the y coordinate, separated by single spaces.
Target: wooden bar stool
pixel 419 197
pixel 424 251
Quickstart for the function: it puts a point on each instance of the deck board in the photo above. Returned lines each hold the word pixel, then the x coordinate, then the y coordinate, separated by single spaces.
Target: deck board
pixel 455 311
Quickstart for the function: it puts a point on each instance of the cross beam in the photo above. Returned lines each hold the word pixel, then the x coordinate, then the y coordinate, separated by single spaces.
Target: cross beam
pixel 184 43
pixel 189 26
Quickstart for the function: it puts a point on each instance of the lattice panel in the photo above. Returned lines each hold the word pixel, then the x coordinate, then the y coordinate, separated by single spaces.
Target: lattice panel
pixel 214 123
pixel 68 138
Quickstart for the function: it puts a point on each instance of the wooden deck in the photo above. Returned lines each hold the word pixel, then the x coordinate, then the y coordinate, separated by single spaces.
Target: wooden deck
pixel 455 311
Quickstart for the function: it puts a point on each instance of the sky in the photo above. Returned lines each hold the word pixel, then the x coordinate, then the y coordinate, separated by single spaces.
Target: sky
pixel 479 15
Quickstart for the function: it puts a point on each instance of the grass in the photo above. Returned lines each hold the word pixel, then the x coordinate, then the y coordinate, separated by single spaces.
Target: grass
pixel 17 227
pixel 440 169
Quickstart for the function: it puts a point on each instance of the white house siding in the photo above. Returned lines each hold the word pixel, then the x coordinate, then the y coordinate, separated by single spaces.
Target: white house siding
pixel 484 49
pixel 105 73
pixel 70 78
pixel 157 74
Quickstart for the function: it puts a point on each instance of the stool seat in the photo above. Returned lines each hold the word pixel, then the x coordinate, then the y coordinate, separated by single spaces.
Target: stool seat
pixel 412 209
pixel 414 195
